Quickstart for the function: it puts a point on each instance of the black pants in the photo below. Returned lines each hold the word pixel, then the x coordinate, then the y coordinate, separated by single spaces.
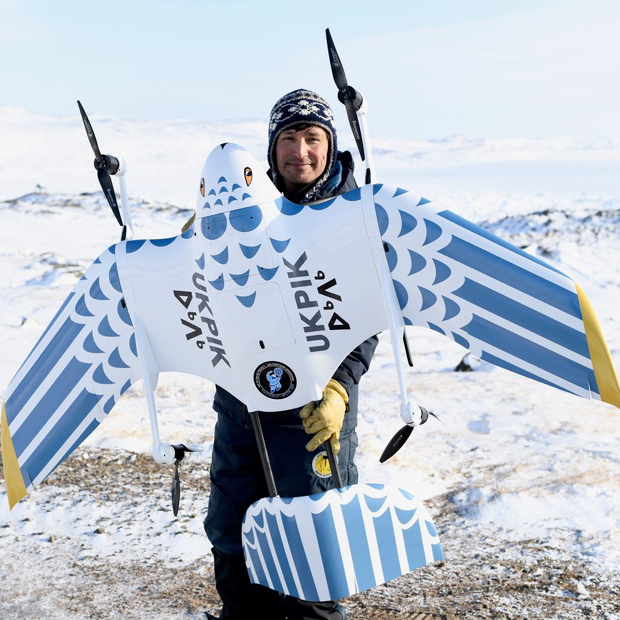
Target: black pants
pixel 237 481
pixel 246 601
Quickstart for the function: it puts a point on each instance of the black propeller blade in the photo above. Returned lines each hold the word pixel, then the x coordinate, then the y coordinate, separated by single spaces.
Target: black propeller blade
pixel 398 441
pixel 89 132
pixel 105 165
pixel 179 453
pixel 346 94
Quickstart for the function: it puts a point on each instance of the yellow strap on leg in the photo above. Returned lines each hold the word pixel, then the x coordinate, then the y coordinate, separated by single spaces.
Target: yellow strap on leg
pixel 15 487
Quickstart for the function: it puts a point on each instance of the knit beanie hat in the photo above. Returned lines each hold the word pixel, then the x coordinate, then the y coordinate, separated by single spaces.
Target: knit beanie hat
pixel 301 106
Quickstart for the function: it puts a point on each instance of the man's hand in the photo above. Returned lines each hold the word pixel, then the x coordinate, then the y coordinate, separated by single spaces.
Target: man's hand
pixel 325 419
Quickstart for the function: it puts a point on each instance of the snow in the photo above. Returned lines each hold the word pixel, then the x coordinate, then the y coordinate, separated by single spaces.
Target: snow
pixel 516 458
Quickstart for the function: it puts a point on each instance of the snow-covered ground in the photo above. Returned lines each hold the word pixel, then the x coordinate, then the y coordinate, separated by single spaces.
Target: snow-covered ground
pixel 509 461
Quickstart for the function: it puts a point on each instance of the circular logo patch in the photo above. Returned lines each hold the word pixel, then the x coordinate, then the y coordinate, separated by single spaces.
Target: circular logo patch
pixel 275 380
pixel 320 465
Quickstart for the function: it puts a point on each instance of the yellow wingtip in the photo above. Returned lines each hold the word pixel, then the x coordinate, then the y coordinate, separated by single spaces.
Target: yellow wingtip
pixel 15 487
pixel 604 370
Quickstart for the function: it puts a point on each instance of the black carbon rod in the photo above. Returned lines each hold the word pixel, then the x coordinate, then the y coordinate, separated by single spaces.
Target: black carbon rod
pixel 264 457
pixel 333 463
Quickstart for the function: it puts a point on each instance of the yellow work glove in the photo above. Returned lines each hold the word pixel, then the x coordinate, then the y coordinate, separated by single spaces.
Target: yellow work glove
pixel 325 419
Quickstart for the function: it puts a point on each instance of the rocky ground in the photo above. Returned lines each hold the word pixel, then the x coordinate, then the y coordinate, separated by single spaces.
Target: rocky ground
pixel 46 575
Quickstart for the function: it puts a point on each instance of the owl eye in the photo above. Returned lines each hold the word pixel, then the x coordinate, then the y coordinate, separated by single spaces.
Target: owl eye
pixel 202 187
pixel 247 173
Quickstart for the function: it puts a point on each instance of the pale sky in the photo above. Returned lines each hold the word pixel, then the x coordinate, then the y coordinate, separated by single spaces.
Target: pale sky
pixel 428 68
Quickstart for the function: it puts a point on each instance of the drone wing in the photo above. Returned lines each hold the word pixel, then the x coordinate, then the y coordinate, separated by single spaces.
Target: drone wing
pixel 506 306
pixel 82 364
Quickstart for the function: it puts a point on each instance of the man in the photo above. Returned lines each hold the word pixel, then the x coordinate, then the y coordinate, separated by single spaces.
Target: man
pixel 305 166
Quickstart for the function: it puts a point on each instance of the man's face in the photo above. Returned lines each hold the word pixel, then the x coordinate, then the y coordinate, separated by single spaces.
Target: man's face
pixel 301 156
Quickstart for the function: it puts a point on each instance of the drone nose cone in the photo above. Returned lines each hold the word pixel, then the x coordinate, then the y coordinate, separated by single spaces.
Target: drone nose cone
pixel 232 178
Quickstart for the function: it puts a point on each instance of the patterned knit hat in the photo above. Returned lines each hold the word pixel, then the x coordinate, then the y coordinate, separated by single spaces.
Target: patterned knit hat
pixel 301 106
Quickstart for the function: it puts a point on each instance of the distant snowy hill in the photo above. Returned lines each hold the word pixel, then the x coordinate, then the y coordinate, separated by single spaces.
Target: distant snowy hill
pixel 165 157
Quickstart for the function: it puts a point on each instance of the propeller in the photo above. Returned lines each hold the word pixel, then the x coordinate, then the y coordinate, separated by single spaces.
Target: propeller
pixel 179 454
pixel 346 94
pixel 398 441
pixel 105 165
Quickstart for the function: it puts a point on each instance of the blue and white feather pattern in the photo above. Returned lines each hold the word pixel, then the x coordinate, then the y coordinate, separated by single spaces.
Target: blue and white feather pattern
pixel 81 365
pixel 506 306
pixel 339 542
